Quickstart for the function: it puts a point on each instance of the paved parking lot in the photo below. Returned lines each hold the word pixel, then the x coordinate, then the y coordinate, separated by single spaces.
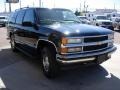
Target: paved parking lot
pixel 19 72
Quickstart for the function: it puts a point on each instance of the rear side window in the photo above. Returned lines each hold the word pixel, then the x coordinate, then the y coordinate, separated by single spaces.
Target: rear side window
pixel 20 17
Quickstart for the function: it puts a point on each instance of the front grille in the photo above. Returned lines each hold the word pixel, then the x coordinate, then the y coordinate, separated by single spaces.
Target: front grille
pixel 106 23
pixel 95 39
pixel 94 47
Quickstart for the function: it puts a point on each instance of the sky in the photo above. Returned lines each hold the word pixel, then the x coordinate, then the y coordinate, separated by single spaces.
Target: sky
pixel 69 4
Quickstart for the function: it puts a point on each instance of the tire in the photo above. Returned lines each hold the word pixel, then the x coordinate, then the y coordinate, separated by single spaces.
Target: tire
pixel 119 27
pixel 50 67
pixel 12 43
pixel 112 28
pixel 3 25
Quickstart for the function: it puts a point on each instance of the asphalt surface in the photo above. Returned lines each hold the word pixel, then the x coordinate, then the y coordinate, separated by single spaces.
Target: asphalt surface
pixel 19 72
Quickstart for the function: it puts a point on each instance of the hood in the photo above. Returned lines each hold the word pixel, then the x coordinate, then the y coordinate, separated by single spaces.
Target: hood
pixel 78 30
pixel 86 21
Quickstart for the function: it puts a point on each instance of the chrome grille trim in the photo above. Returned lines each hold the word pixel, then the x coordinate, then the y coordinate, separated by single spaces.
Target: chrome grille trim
pixel 89 36
pixel 86 44
pixel 86 51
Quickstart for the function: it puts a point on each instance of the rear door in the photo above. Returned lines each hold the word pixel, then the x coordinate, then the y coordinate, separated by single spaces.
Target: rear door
pixel 11 23
pixel 18 28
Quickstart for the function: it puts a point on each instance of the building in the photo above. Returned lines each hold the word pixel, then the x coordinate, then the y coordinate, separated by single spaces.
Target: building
pixel 4 14
pixel 108 12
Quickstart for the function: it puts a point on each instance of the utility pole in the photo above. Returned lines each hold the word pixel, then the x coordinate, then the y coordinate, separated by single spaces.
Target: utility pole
pixel 42 4
pixel 5 6
pixel 20 3
pixel 80 7
pixel 39 3
pixel 84 6
pixel 33 4
pixel 54 3
pixel 9 7
pixel 114 6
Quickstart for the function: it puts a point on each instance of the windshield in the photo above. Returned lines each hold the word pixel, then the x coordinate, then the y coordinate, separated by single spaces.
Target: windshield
pixel 101 17
pixel 49 16
pixel 117 20
pixel 83 17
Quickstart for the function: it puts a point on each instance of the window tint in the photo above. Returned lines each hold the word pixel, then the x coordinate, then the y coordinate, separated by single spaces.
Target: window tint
pixel 29 16
pixel 48 16
pixel 13 17
pixel 20 17
pixel 101 17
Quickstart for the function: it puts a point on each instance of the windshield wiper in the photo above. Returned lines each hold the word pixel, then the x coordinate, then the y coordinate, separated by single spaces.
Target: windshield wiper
pixel 72 21
pixel 49 21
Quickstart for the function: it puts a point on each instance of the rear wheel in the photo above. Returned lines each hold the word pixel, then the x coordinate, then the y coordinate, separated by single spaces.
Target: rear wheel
pixel 49 65
pixel 12 43
pixel 119 27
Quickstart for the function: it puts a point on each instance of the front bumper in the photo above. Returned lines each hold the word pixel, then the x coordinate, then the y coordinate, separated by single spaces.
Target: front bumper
pixel 2 23
pixel 108 27
pixel 85 57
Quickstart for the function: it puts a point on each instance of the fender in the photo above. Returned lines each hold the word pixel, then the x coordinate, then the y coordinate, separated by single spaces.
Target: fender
pixel 48 42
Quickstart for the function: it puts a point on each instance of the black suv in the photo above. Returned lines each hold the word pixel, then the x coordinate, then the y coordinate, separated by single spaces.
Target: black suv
pixel 57 38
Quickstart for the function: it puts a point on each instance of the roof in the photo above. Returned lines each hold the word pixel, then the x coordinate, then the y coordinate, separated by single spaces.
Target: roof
pixel 40 8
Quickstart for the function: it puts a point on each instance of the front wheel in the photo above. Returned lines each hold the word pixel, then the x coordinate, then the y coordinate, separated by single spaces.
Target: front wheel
pixel 119 27
pixel 12 43
pixel 49 65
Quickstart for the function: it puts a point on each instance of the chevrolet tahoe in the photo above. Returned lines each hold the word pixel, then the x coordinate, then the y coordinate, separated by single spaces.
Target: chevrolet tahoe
pixel 57 37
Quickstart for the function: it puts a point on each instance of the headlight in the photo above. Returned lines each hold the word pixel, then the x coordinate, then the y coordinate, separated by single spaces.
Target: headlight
pixel 99 23
pixel 111 36
pixel 110 44
pixel 71 40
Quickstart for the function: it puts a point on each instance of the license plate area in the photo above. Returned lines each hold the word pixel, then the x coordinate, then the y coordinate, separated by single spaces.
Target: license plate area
pixel 102 58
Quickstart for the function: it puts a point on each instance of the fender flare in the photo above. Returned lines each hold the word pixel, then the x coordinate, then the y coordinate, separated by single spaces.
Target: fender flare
pixel 47 42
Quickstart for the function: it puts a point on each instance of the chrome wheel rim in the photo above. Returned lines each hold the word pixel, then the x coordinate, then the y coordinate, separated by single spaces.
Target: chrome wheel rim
pixel 46 63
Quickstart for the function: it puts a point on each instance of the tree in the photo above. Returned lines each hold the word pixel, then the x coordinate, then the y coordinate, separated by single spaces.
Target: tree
pixel 77 13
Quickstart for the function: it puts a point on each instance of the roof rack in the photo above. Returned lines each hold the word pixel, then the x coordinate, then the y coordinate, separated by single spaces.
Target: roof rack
pixel 21 8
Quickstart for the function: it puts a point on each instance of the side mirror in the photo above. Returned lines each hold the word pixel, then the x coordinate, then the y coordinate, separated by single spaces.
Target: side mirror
pixel 28 24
